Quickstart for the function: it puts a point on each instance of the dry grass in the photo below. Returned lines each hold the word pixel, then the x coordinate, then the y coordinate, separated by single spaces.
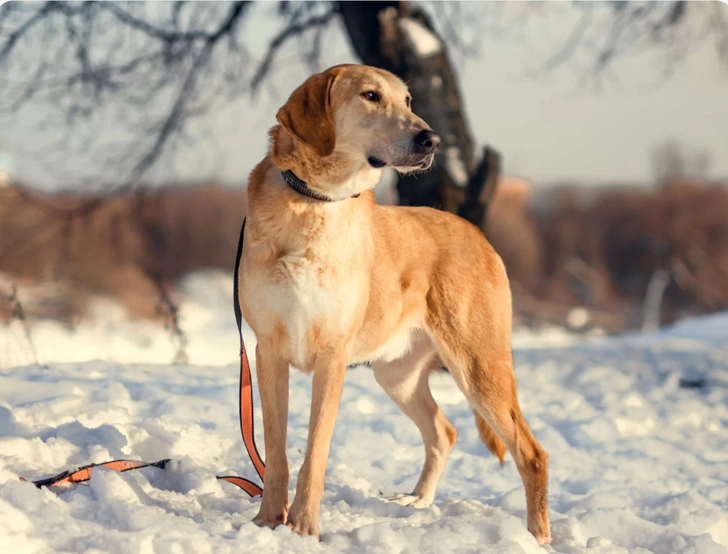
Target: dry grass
pixel 126 248
pixel 600 253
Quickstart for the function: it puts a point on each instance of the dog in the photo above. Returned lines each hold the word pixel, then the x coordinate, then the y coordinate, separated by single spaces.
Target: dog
pixel 329 279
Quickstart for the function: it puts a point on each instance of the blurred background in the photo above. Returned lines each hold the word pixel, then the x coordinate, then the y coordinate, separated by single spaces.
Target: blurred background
pixel 588 140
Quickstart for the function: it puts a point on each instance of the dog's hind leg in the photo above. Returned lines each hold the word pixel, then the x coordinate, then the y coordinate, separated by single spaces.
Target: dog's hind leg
pixel 489 384
pixel 406 382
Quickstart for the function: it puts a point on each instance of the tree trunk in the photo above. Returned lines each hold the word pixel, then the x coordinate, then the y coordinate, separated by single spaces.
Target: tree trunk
pixel 391 36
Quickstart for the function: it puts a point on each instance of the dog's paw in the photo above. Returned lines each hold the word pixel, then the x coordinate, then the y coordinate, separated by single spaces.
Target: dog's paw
pixel 413 500
pixel 304 527
pixel 540 528
pixel 303 521
pixel 269 518
pixel 543 538
pixel 543 535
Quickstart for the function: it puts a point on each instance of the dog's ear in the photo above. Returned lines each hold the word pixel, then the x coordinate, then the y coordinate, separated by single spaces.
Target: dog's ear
pixel 307 114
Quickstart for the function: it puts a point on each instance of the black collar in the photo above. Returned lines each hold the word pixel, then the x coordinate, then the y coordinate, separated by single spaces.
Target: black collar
pixel 302 188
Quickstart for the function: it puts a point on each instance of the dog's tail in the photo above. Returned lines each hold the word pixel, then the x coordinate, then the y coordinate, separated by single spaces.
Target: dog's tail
pixel 491 440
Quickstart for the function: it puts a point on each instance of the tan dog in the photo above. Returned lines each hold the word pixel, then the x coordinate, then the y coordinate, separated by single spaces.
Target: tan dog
pixel 328 279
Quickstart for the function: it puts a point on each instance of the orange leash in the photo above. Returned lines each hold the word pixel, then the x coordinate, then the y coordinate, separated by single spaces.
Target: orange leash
pixel 246 391
pixel 84 473
pixel 246 419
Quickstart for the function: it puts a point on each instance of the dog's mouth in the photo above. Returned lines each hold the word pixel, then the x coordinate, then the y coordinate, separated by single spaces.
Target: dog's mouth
pixel 376 163
pixel 426 163
pixel 420 165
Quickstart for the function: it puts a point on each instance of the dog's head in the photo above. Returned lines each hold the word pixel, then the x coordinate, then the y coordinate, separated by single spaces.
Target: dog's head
pixel 359 112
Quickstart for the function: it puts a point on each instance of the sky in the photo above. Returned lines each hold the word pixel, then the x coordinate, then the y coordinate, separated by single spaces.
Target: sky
pixel 551 127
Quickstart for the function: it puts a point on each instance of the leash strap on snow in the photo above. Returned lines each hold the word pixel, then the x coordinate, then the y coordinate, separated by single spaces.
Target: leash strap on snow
pixel 246 419
pixel 84 473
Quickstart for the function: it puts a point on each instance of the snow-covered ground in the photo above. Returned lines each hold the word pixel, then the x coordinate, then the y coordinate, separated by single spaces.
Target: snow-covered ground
pixel 638 462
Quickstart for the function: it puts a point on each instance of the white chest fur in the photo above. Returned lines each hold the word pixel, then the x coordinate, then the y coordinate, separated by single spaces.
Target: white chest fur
pixel 311 284
pixel 314 301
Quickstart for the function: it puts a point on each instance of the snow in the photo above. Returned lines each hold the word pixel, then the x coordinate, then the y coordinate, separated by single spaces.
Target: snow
pixel 639 463
pixel 423 41
pixel 456 166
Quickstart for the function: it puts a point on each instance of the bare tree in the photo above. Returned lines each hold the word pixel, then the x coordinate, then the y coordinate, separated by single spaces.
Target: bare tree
pixel 609 31
pixel 157 68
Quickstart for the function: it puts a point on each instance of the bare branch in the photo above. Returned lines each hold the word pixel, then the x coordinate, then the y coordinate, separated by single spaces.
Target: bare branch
pixel 16 35
pixel 287 33
pixel 452 31
pixel 229 24
pixel 575 37
pixel 138 76
pixel 720 25
pixel 149 29
pixel 169 310
pixel 175 117
pixel 19 314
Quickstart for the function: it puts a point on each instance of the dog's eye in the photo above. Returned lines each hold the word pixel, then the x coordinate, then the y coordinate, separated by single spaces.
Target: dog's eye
pixel 408 101
pixel 371 96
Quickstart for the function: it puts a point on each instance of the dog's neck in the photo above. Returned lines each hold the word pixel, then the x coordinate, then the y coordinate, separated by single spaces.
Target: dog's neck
pixel 303 189
pixel 342 175
pixel 278 216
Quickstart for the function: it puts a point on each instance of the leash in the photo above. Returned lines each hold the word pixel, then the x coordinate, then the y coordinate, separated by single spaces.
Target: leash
pixel 84 473
pixel 246 391
pixel 246 419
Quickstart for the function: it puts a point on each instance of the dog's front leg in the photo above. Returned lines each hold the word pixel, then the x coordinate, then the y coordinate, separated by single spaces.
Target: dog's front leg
pixel 273 385
pixel 328 380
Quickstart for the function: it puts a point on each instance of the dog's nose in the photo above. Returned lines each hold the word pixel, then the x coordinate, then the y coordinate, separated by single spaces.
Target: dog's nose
pixel 426 141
